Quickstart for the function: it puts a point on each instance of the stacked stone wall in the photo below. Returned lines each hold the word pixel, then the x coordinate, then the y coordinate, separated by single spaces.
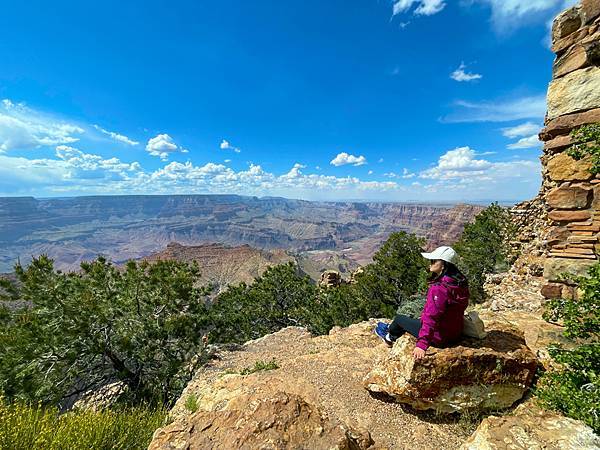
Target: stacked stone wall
pixel 570 191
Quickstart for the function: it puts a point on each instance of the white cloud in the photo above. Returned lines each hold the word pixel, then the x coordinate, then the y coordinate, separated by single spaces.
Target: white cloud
pixel 370 172
pixel 460 74
pixel 227 161
pixel 162 145
pixel 116 136
pixel 498 111
pixel 380 160
pixel 407 173
pixel 510 14
pixel 527 142
pixel 390 175
pixel 344 158
pixel 423 7
pixel 225 145
pixel 525 129
pixel 22 128
pixel 457 163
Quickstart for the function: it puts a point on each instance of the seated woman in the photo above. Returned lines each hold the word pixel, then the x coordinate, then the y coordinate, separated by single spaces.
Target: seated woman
pixel 442 317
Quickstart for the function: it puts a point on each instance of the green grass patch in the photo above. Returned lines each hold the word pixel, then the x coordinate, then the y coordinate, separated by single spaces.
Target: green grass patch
pixel 33 427
pixel 191 403
pixel 260 366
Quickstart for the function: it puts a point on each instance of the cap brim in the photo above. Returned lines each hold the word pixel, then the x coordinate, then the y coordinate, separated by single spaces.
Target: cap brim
pixel 428 255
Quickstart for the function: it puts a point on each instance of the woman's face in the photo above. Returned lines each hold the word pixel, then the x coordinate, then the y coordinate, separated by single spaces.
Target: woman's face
pixel 436 266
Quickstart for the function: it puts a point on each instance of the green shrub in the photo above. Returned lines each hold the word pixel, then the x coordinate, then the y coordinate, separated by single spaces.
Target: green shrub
pixel 586 141
pixel 483 247
pixel 191 403
pixel 574 389
pixel 142 325
pixel 260 366
pixel 25 427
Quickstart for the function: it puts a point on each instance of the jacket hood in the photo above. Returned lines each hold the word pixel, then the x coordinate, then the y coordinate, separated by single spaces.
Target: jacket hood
pixel 458 290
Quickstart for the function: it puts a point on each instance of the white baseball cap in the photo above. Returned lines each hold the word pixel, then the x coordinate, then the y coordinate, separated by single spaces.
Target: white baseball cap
pixel 444 253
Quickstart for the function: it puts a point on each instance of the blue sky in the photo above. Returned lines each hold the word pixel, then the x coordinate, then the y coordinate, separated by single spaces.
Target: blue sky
pixel 427 100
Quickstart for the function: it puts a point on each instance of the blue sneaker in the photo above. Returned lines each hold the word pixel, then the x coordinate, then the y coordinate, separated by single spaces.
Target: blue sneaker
pixel 381 330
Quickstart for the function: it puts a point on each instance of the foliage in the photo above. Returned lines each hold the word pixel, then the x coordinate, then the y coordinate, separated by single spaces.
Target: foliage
pixel 191 403
pixel 413 307
pixel 483 247
pixel 260 366
pixel 141 324
pixel 27 427
pixel 281 297
pixel 398 272
pixel 575 388
pixel 586 141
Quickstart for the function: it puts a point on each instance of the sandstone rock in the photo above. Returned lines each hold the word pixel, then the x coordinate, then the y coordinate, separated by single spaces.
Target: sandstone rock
pixel 566 23
pixel 538 333
pixel 578 57
pixel 557 144
pixel 564 124
pixel 569 216
pixel 577 91
pixel 590 9
pixel 564 168
pixel 330 278
pixel 101 398
pixel 596 200
pixel 552 290
pixel 563 44
pixel 554 267
pixel 491 373
pixel 530 427
pixel 568 197
pixel 557 235
pixel 279 421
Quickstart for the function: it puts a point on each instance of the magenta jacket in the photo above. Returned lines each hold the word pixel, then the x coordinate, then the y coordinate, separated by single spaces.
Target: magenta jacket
pixel 442 318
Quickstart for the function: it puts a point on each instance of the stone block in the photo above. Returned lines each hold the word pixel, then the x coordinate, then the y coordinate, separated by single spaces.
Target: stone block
pixel 568 216
pixel 554 267
pixel 566 23
pixel 577 57
pixel 590 9
pixel 565 43
pixel 568 197
pixel 562 167
pixel 557 235
pixel 557 144
pixel 552 290
pixel 564 124
pixel 576 91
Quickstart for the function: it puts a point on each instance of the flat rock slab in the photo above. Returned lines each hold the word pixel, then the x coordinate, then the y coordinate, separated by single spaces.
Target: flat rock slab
pixel 529 427
pixel 490 373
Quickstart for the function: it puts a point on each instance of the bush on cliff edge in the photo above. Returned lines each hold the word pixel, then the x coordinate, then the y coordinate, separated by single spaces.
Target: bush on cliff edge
pixel 574 389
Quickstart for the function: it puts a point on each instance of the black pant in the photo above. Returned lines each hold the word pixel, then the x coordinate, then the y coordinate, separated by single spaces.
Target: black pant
pixel 402 324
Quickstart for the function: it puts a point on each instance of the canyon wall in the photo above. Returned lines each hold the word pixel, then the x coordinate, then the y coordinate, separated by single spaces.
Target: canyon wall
pixel 570 188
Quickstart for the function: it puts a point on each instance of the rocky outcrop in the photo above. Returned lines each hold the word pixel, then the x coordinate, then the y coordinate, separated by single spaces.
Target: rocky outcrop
pixel 321 377
pixel 530 427
pixel 330 278
pixel 276 421
pixel 492 373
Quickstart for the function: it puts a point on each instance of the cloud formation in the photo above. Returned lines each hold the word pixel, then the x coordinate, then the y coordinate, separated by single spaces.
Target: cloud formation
pixel 533 107
pixel 344 158
pixel 225 145
pixel 423 7
pixel 116 136
pixel 532 141
pixel 460 74
pixel 162 145
pixel 22 128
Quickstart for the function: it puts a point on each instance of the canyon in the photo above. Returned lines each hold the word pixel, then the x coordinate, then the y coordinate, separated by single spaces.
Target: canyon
pixel 346 234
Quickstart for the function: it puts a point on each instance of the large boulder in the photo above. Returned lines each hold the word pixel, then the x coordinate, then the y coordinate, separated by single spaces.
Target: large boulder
pixel 555 267
pixel 576 91
pixel 491 373
pixel 563 167
pixel 530 427
pixel 276 421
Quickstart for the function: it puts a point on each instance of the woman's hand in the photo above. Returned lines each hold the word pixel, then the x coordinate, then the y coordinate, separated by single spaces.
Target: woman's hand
pixel 418 353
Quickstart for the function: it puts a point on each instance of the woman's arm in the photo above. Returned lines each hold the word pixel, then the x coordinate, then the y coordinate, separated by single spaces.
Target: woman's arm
pixel 437 300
